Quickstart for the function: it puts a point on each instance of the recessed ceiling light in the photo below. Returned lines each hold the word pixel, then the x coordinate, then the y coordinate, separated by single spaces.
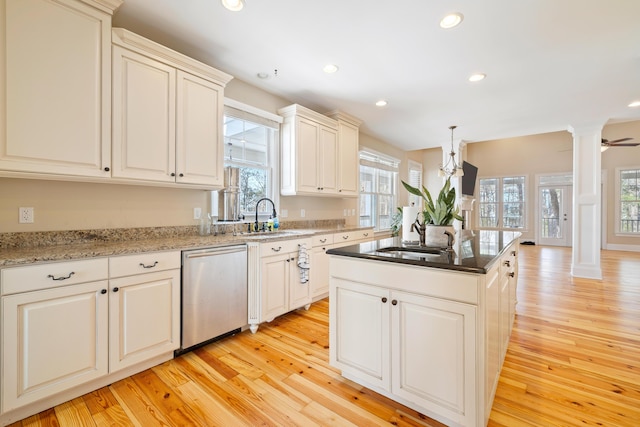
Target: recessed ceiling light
pixel 635 104
pixel 451 20
pixel 477 77
pixel 233 5
pixel 330 68
pixel 381 103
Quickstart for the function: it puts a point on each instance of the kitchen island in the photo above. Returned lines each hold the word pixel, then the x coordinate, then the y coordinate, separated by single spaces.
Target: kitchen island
pixel 429 330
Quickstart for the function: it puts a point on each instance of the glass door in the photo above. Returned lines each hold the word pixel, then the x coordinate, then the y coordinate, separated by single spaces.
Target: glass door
pixel 554 227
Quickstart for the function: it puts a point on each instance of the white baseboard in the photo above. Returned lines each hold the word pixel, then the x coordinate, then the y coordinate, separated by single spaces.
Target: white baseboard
pixel 628 248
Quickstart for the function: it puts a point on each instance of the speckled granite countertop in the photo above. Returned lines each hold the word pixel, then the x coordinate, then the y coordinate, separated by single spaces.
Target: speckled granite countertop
pixel 27 248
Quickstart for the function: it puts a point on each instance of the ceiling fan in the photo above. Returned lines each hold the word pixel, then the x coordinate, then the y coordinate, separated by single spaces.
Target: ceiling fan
pixel 605 143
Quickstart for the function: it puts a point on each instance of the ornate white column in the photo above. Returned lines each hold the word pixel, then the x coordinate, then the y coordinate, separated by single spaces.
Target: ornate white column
pixel 587 202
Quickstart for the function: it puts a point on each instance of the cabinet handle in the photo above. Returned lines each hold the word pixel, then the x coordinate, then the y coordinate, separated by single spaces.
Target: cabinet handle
pixel 277 250
pixel 149 266
pixel 366 234
pixel 323 240
pixel 394 302
pixel 51 276
pixel 384 300
pixel 103 291
pixel 512 274
pixel 116 289
pixel 514 253
pixel 345 237
pixel 507 263
pixel 107 169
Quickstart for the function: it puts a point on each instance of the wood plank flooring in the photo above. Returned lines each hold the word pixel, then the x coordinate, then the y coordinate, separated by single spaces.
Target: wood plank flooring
pixel 573 360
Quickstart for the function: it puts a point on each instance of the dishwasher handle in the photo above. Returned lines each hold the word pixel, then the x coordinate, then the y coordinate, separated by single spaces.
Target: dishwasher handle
pixel 214 251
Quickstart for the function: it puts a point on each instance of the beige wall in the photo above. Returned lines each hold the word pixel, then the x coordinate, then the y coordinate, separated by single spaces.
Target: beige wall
pixel 551 153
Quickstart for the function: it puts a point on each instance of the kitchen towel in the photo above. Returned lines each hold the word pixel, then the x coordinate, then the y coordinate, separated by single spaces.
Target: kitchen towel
pixel 303 263
pixel 409 214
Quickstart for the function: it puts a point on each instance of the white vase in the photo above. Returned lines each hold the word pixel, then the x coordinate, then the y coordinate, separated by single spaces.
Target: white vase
pixel 434 235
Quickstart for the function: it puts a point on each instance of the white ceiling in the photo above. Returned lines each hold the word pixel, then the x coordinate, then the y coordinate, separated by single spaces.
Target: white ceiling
pixel 549 63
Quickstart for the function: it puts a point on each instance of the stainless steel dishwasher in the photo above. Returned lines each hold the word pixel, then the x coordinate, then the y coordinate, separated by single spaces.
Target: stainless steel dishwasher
pixel 214 294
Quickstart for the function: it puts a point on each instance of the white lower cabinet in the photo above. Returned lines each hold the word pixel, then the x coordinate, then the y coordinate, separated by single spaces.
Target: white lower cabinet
pixel 69 323
pixel 413 346
pixel 53 340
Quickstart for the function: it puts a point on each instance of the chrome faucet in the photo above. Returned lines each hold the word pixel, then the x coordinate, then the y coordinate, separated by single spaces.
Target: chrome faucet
pixel 273 214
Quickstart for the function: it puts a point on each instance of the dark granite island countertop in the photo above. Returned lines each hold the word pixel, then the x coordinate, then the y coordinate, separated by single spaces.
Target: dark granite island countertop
pixel 475 251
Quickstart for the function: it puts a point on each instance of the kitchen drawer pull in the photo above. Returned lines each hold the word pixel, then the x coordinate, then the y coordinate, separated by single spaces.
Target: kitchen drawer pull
pixel 512 274
pixel 323 240
pixel 514 253
pixel 149 266
pixel 51 276
pixel 507 263
pixel 366 234
pixel 345 237
pixel 277 250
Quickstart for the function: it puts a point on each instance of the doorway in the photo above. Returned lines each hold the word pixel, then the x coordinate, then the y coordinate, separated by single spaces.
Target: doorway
pixel 555 215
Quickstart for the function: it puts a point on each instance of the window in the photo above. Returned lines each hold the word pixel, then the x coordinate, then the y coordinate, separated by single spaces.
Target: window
pixel 250 143
pixel 415 180
pixel 378 189
pixel 502 202
pixel 628 205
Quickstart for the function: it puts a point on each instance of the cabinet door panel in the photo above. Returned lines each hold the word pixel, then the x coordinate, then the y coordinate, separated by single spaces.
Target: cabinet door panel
pixel 52 340
pixel 299 293
pixel 431 365
pixel 348 165
pixel 328 154
pixel 319 274
pixel 307 138
pixel 143 117
pixel 275 287
pixel 360 343
pixel 199 131
pixel 58 88
pixel 144 317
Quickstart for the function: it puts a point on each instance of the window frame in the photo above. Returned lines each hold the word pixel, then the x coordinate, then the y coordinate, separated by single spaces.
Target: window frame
pixel 378 162
pixel 500 203
pixel 414 166
pixel 618 201
pixel 267 119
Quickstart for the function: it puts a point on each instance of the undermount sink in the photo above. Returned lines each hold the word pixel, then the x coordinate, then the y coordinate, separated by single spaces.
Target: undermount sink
pixel 413 250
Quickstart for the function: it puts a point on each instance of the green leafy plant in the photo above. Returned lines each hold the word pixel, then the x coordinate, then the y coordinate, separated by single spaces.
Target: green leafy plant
pixel 396 222
pixel 443 210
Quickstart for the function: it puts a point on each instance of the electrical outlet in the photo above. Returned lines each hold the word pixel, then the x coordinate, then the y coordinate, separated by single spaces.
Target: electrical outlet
pixel 302 213
pixel 25 215
pixel 197 213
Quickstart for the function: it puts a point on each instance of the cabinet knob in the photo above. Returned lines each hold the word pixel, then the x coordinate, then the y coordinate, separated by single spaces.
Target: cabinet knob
pixel 103 291
pixel 173 174
pixel 514 253
pixel 384 299
pixel 181 175
pixel 394 302
pixel 107 169
pixel 340 190
pixel 116 289
pixel 512 274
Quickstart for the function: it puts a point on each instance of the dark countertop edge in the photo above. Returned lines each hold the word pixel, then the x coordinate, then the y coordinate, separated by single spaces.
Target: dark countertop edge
pixel 13 257
pixel 349 251
pixel 370 257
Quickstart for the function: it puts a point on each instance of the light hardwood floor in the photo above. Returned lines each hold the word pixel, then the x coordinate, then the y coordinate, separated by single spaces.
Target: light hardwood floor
pixel 573 360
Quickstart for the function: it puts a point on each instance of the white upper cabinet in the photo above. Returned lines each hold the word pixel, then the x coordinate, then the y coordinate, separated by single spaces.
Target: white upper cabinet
pixel 167 115
pixel 55 91
pixel 309 153
pixel 348 146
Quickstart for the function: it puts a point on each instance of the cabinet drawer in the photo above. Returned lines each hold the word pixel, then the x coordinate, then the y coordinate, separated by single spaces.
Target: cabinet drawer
pixel 322 240
pixel 129 265
pixel 351 237
pixel 52 275
pixel 282 247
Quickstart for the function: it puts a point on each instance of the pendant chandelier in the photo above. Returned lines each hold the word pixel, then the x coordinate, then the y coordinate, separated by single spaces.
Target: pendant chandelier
pixel 451 167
